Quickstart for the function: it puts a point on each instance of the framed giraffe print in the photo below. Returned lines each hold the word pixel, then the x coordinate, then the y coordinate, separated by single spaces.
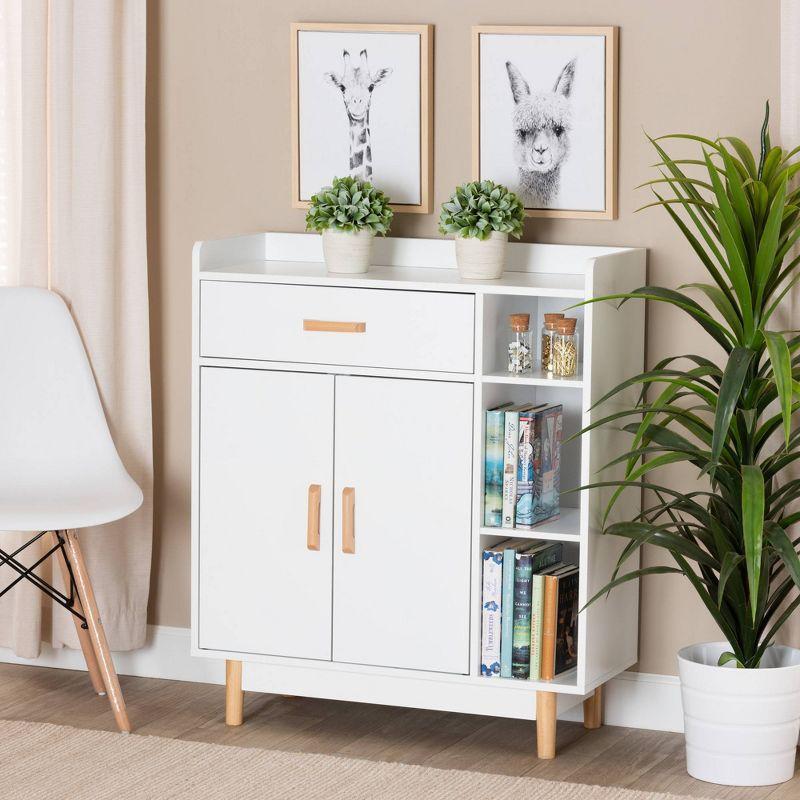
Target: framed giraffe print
pixel 544 106
pixel 362 106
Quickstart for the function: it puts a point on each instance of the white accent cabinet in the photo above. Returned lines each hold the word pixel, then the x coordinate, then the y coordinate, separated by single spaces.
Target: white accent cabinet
pixel 337 481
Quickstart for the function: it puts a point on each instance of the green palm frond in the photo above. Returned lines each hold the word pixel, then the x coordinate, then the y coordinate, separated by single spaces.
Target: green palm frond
pixel 732 420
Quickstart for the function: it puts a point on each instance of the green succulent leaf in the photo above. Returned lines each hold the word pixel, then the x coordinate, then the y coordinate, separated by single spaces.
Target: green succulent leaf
pixel 349 204
pixel 478 208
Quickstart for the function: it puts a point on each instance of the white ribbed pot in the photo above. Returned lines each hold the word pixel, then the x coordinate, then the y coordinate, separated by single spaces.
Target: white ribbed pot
pixel 348 252
pixel 741 725
pixel 481 260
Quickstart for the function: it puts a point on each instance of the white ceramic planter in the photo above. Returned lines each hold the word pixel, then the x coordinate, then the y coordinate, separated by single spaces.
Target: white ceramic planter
pixel 348 252
pixel 741 725
pixel 482 260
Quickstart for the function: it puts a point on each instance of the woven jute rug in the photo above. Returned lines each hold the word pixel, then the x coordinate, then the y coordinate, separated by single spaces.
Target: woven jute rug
pixel 52 761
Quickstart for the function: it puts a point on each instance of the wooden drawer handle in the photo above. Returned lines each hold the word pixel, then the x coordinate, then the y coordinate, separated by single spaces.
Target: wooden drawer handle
pixel 332 326
pixel 348 520
pixel 312 531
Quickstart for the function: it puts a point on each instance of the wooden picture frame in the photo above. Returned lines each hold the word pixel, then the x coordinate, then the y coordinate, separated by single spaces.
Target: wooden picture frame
pixel 609 105
pixel 425 34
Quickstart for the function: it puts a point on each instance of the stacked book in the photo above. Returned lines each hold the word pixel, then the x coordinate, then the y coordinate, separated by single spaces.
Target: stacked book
pixel 522 465
pixel 529 610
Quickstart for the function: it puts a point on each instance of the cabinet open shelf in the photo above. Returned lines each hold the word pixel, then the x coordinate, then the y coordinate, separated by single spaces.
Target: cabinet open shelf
pixel 564 680
pixel 564 529
pixel 535 378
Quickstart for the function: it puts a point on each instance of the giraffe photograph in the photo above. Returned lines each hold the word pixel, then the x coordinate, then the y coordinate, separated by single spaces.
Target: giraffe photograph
pixel 544 121
pixel 360 108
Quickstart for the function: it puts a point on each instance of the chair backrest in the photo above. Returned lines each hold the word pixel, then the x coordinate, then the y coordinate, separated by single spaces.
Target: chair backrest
pixel 53 430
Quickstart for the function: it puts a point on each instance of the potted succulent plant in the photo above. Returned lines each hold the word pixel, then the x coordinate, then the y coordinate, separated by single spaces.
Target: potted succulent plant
pixel 733 421
pixel 349 214
pixel 482 214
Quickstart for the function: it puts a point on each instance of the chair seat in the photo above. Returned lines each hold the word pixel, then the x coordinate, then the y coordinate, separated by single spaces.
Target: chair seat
pixel 69 506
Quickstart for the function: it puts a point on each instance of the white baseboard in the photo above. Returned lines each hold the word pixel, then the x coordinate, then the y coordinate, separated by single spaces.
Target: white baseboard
pixel 632 699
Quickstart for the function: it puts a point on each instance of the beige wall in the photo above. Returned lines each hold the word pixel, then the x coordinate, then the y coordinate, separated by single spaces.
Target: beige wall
pixel 218 164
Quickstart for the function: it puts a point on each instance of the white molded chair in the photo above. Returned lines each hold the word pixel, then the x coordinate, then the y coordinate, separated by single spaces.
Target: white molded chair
pixel 59 469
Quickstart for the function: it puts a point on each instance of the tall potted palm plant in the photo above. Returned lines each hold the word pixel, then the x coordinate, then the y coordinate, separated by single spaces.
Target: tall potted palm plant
pixel 733 420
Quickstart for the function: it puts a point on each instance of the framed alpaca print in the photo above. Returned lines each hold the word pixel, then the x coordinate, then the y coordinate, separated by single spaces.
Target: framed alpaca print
pixel 362 106
pixel 545 116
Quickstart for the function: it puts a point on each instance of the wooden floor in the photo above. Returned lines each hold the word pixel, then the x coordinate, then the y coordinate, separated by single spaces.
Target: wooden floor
pixel 610 756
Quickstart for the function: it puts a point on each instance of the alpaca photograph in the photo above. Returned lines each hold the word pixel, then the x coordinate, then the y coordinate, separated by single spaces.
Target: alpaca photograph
pixel 360 109
pixel 544 122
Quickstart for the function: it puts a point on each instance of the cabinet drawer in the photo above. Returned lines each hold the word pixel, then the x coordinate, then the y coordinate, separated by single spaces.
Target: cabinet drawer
pixel 330 325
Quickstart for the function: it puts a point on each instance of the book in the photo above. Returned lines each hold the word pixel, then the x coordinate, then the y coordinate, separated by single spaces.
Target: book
pixel 539 465
pixel 510 549
pixel 560 593
pixel 547 464
pixel 510 444
pixel 537 556
pixel 566 656
pixel 493 466
pixel 523 505
pixel 537 609
pixel 491 610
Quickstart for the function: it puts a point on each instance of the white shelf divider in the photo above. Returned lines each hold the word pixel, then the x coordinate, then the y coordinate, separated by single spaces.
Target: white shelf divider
pixel 536 378
pixel 564 529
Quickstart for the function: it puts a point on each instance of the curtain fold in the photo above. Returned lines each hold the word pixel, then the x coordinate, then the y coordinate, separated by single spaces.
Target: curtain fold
pixel 78 190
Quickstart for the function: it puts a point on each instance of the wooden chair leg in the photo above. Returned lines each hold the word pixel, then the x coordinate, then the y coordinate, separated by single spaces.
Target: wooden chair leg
pixel 593 710
pixel 83 633
pixel 96 632
pixel 546 706
pixel 234 696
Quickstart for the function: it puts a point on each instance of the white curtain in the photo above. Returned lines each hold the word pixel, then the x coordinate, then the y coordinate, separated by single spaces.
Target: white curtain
pixel 72 217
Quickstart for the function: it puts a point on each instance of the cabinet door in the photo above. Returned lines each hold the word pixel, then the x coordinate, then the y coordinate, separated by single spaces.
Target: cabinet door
pixel 265 438
pixel 404 452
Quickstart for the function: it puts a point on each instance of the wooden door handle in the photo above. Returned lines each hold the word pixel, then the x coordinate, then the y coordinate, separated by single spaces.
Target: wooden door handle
pixel 333 326
pixel 348 520
pixel 312 529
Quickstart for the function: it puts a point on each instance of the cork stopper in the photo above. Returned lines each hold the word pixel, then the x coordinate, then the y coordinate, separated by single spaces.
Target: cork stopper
pixel 519 322
pixel 550 321
pixel 566 325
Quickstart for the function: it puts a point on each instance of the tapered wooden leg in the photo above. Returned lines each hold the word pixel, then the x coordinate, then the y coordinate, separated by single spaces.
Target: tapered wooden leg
pixel 96 632
pixel 593 710
pixel 83 633
pixel 234 696
pixel 546 705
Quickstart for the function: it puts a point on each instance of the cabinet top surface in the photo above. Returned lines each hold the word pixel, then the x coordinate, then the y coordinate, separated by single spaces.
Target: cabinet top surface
pixel 409 278
pixel 411 264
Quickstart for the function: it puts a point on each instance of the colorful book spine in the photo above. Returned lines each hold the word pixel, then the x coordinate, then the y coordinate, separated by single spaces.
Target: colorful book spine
pixel 493 476
pixel 539 466
pixel 548 663
pixel 524 502
pixel 537 607
pixel 566 650
pixel 521 635
pixel 547 555
pixel 492 604
pixel 507 618
pixel 546 442
pixel 510 444
pixel 536 557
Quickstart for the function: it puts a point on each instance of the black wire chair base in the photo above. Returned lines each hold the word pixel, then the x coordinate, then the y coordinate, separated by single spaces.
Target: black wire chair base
pixel 27 573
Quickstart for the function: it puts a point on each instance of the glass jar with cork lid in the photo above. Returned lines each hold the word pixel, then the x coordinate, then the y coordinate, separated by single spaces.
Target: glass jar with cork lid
pixel 548 332
pixel 520 360
pixel 565 348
